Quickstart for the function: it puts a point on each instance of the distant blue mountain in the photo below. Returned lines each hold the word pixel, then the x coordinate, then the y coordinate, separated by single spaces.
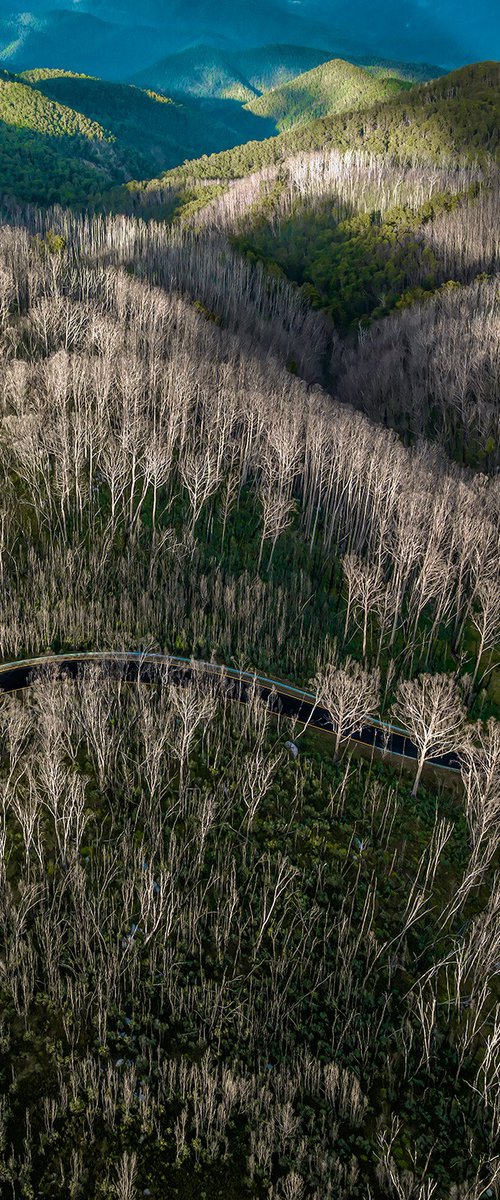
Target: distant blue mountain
pixel 118 38
pixel 75 41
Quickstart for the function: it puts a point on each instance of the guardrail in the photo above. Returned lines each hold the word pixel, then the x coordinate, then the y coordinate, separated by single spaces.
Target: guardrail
pixel 296 702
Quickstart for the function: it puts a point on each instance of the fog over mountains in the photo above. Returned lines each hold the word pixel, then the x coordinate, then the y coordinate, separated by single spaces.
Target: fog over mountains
pixel 116 39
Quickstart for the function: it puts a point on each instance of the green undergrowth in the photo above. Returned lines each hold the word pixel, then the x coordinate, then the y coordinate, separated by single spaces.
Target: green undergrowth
pixel 306 583
pixel 346 831
pixel 357 269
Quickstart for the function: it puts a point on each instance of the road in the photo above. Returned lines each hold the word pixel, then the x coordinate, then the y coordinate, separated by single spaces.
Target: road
pixel 280 697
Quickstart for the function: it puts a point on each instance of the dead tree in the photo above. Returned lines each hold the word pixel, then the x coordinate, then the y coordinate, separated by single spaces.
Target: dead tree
pixel 430 708
pixel 486 619
pixel 350 693
pixel 365 592
pixel 277 515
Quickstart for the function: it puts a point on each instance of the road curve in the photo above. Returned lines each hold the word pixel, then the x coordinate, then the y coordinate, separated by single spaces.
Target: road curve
pixel 280 697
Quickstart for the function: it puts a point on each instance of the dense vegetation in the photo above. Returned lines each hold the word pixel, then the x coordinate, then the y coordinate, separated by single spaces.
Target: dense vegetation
pixel 453 118
pixel 361 267
pixel 409 72
pixel 147 123
pixel 205 71
pixel 334 87
pixel 25 107
pixel 210 73
pixel 54 119
pixel 67 138
pixel 226 972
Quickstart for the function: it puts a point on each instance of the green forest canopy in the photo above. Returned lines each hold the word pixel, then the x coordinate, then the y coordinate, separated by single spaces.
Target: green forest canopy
pixel 455 117
pixel 336 86
pixel 66 138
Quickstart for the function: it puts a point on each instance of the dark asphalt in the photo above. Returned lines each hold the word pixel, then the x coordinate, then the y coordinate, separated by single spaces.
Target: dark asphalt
pixel 151 668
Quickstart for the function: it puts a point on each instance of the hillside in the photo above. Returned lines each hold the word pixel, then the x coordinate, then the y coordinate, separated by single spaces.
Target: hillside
pixel 230 966
pixel 204 72
pixel 75 40
pixel 210 73
pixel 454 117
pixel 52 119
pixel 66 137
pixel 412 72
pixel 207 72
pixel 246 952
pixel 47 150
pixel 362 237
pixel 118 39
pixel 25 107
pixel 333 87
pixel 148 122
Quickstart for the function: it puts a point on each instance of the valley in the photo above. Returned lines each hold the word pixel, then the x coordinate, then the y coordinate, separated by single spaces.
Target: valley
pixel 249 603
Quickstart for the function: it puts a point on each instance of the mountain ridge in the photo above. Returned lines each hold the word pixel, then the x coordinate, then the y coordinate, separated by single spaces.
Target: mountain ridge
pixel 207 72
pixel 457 114
pixel 116 41
pixel 53 121
pixel 334 87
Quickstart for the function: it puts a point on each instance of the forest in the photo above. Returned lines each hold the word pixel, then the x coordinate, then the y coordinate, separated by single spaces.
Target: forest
pixel 144 505
pixel 67 138
pixel 334 86
pixel 253 420
pixel 363 240
pixel 218 980
pixel 447 120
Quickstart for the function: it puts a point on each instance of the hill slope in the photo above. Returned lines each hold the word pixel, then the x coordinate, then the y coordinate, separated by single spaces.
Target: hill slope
pixel 457 116
pixel 202 71
pixel 443 32
pixel 65 137
pixel 25 107
pixel 74 40
pixel 334 87
pixel 247 930
pixel 208 72
pixel 412 72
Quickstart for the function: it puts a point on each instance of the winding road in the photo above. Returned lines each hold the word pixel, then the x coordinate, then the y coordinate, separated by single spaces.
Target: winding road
pixel 280 697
